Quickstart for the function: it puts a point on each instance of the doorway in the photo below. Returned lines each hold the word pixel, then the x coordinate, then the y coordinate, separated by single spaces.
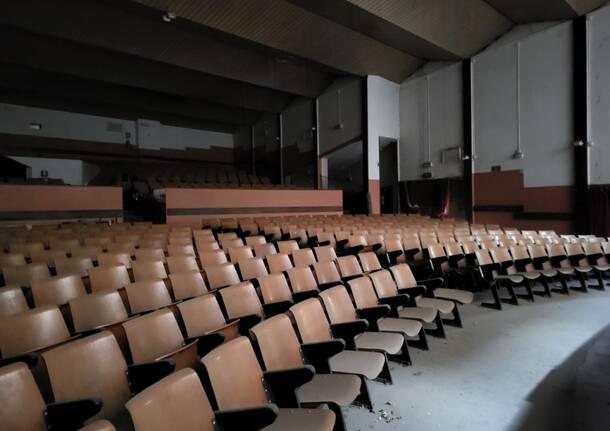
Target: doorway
pixel 388 176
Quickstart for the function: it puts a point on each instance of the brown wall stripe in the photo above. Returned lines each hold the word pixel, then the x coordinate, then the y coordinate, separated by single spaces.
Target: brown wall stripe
pixel 251 210
pixel 59 215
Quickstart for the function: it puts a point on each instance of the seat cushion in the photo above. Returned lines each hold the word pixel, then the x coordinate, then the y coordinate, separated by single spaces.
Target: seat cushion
pixel 534 275
pixel 602 268
pixel 411 328
pixel 549 273
pixel 341 389
pixel 515 279
pixel 388 342
pixel 425 314
pixel 99 425
pixel 461 296
pixel 368 364
pixel 583 268
pixel 303 420
pixel 566 271
pixel 442 305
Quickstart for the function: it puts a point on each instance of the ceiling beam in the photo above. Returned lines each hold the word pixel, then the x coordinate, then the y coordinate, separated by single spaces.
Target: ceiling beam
pixel 530 11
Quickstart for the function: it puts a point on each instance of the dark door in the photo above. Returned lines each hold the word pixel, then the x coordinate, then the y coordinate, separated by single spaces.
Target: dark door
pixel 388 176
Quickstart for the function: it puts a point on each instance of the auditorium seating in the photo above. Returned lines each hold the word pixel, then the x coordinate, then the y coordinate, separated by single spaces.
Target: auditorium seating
pixel 323 301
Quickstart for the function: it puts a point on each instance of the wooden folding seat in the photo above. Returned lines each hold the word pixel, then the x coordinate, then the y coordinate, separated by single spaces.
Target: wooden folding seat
pixel 212 257
pixel 596 258
pixel 182 264
pixel 25 249
pixel 303 283
pixel 150 254
pixel 354 327
pixel 249 229
pixel 147 295
pixel 242 302
pixel 349 267
pixel 325 253
pixel 303 257
pixel 100 241
pixel 300 236
pixel 369 262
pixel 112 259
pixel 278 263
pixel 578 259
pixel 122 247
pixel 73 265
pixel 240 253
pixel 47 256
pixel 524 265
pixel 97 310
pixel 409 303
pixel 228 244
pixel 202 315
pixel 148 270
pixel 264 250
pixel 280 351
pixel 21 404
pixel 276 294
pixel 220 276
pixel 181 250
pixel 12 301
pixel 313 327
pixel 24 275
pixel 252 241
pixel 229 236
pixel 32 330
pixel 187 284
pixel 11 259
pixel 148 243
pixel 412 249
pixel 108 277
pixel 327 238
pixel 274 233
pixel 90 252
pixel 288 246
pixel 507 267
pixel 58 290
pixel 65 245
pixel 404 279
pixel 252 268
pixel 233 369
pixel 179 240
pixel 327 274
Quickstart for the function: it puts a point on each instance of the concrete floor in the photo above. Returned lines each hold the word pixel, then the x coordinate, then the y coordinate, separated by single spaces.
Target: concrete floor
pixel 513 369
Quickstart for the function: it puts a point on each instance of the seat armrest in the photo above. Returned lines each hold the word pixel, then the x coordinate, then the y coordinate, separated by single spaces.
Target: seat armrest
pixel 250 419
pixel 414 291
pixel 349 330
pixel 318 354
pixel 276 308
pixel 71 416
pixel 373 314
pixel 283 384
pixel 207 343
pixel 142 376
pixel 432 283
pixel 30 359
pixel 395 302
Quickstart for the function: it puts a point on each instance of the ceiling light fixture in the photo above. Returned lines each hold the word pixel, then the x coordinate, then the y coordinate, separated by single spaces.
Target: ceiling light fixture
pixel 168 16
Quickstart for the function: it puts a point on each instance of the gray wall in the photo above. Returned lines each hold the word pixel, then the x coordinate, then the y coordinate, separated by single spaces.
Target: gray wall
pixel 349 92
pixel 434 93
pixel 545 105
pixel 73 172
pixel 15 119
pixel 599 48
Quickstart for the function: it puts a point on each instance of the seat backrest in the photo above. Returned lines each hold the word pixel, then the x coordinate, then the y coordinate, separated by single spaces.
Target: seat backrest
pixel 325 253
pixel 221 275
pixel 180 250
pixel 500 255
pixel 235 375
pixel 26 248
pixel 201 315
pixel 152 336
pixel 108 277
pixel 11 259
pixel 57 290
pixel 46 256
pixel 152 243
pixel 303 257
pixel 148 270
pixel 24 275
pixel 338 305
pixel 403 276
pixel 302 279
pixel 519 252
pixel 369 261
pixel 32 330
pixel 251 241
pixel 311 321
pixel 187 284
pixel 349 266
pixel 484 257
pixel 264 250
pixel 176 402
pixel 111 259
pixel 73 265
pixel 384 283
pixel 12 301
pixel 240 253
pixel 147 295
pixel 145 254
pixel 278 343
pixel 453 249
pixel 436 251
pixel 21 404
pixel 274 288
pixel 241 300
pixel 592 248
pixel 212 257
pixel 393 244
pixel 90 367
pixel 252 268
pixel 182 263
pixel 574 249
pixel 205 244
pixel 65 245
pixel 97 309
pixel 470 247
pixel 279 262
pixel 363 292
pixel 231 243
pixel 128 248
pixel 326 272
pixel 287 246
